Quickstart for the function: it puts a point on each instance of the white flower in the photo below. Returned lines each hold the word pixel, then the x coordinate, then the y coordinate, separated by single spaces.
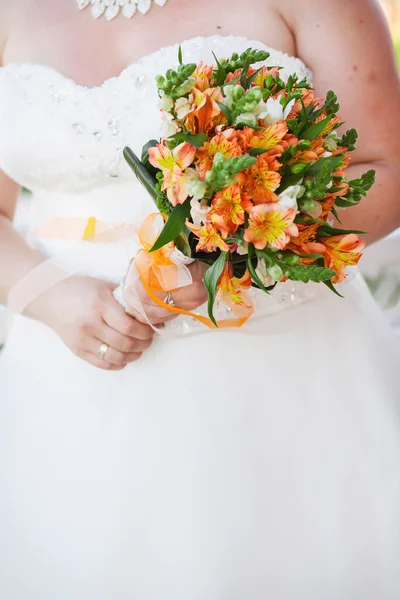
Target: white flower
pixel 169 126
pixel 166 103
pixel 260 110
pixel 288 198
pixel 199 211
pixel 243 249
pixel 229 92
pixel 275 112
pixel 263 274
pixel 196 187
pixel 183 106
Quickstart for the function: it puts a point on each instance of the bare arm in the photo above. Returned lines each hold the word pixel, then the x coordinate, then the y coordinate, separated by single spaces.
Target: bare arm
pixel 17 257
pixel 348 47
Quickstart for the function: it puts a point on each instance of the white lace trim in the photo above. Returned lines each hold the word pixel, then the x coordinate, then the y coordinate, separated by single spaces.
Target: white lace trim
pixel 111 8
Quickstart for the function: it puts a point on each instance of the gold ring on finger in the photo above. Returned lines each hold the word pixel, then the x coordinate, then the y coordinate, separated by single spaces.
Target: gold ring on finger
pixel 102 351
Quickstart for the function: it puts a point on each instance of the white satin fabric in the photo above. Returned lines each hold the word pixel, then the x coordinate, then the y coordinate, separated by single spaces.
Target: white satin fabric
pixel 222 466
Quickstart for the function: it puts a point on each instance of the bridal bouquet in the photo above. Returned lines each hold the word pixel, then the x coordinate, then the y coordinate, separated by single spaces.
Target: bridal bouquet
pixel 248 178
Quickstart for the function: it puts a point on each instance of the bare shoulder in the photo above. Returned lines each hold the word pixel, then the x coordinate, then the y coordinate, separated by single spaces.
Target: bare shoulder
pixel 324 10
pixel 348 47
pixel 325 24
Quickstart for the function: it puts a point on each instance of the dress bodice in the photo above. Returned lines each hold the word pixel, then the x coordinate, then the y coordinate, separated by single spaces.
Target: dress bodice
pixel 58 136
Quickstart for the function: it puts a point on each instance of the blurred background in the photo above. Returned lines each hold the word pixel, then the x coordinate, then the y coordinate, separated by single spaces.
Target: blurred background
pixel 381 262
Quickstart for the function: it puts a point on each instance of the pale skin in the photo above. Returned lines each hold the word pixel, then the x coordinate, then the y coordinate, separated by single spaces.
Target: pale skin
pixel 345 44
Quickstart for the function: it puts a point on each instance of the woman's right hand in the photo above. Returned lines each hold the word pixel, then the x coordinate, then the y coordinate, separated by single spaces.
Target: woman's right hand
pixel 85 315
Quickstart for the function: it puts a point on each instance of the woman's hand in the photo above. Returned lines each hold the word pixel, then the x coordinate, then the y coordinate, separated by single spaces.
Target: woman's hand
pixel 85 315
pixel 188 297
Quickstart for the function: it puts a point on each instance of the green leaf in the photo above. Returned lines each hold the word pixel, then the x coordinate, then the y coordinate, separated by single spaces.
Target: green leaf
pixel 145 150
pixel 330 285
pixel 220 72
pixel 252 269
pixel 174 226
pixel 349 139
pixel 243 77
pixel 226 112
pixel 306 273
pixel 250 79
pixel 182 242
pixel 146 179
pixel 287 181
pixel 343 202
pixel 314 255
pixel 328 231
pixel 315 130
pixel 335 161
pixel 195 139
pixel 331 104
pixel 231 82
pixel 256 151
pixel 211 279
pixel 334 212
pixel 180 55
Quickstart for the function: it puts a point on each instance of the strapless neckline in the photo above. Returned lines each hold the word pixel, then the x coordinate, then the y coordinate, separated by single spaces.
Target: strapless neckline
pixel 142 60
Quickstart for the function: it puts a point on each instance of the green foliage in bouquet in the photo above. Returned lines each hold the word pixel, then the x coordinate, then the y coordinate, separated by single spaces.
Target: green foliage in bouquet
pixel 249 175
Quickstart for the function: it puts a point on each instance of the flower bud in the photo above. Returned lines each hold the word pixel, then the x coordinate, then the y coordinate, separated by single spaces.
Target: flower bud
pixel 247 119
pixel 296 169
pixel 238 92
pixel 254 95
pixel 185 88
pixel 308 205
pixel 275 272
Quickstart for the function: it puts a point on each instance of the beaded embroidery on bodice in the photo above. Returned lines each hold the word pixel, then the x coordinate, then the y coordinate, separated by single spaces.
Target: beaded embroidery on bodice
pixel 58 136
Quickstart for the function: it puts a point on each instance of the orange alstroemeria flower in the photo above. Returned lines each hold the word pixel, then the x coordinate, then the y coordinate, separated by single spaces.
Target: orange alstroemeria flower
pixel 202 75
pixel 238 73
pixel 206 113
pixel 265 72
pixel 311 154
pixel 227 212
pixel 332 124
pixel 342 251
pixel 268 226
pixel 262 180
pixel 267 139
pixel 224 142
pixel 232 289
pixel 173 163
pixel 304 242
pixel 209 238
pixel 309 99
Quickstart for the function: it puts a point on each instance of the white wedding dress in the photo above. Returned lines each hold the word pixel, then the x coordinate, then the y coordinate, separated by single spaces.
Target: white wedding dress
pixel 254 464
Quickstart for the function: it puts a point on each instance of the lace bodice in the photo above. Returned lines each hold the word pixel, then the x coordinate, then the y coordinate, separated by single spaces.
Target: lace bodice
pixel 56 135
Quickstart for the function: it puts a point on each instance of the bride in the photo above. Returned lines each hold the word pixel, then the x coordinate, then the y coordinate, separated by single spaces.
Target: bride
pixel 238 465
